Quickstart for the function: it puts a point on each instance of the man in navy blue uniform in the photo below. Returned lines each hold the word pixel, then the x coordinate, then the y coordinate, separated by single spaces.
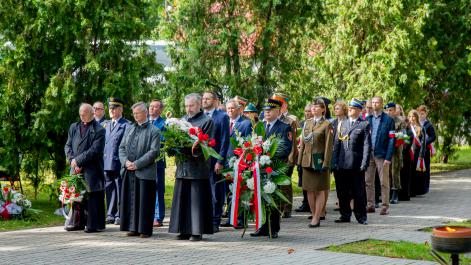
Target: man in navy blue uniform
pixel 220 133
pixel 273 126
pixel 350 160
pixel 156 108
pixel 238 124
pixel 114 134
pixel 382 148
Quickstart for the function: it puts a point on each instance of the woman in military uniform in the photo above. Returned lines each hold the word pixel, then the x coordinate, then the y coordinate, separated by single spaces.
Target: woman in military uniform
pixel 314 157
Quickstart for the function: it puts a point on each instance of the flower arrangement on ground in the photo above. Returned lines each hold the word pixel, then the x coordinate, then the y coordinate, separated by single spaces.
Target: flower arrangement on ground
pixel 73 189
pixel 180 135
pixel 256 177
pixel 12 203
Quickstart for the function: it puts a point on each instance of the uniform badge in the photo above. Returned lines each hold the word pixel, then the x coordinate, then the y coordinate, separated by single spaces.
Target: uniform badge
pixel 290 136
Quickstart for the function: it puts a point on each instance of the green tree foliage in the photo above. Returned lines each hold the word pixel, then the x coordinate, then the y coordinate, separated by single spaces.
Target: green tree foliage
pixel 245 48
pixel 62 53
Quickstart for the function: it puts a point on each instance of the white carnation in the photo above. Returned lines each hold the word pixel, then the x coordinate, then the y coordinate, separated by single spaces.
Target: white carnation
pixel 232 161
pixel 265 160
pixel 231 187
pixel 266 146
pixel 27 203
pixel 269 187
pixel 250 183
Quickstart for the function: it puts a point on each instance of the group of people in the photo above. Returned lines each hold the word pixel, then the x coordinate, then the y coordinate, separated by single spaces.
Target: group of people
pixel 120 161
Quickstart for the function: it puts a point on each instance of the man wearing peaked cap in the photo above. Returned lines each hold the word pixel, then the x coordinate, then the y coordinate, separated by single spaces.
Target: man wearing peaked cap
pixel 293 122
pixel 350 160
pixel 397 161
pixel 273 126
pixel 114 128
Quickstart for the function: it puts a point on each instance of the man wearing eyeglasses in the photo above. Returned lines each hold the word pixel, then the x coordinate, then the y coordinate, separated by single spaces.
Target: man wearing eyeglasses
pixel 99 112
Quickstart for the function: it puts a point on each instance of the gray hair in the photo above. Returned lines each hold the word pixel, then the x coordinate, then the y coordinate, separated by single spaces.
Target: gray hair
pixel 140 105
pixel 235 102
pixel 195 96
pixel 86 106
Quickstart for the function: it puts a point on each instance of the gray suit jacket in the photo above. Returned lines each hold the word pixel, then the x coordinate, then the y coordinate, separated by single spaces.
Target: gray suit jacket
pixel 88 153
pixel 195 166
pixel 145 151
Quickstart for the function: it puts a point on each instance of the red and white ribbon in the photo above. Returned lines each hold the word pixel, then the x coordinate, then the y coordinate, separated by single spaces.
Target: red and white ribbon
pixel 257 195
pixel 236 191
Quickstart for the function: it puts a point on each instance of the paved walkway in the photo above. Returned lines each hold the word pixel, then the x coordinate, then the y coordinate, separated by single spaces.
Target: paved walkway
pixel 449 199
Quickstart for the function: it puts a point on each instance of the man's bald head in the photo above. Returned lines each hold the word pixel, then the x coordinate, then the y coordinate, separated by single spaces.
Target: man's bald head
pixel 86 112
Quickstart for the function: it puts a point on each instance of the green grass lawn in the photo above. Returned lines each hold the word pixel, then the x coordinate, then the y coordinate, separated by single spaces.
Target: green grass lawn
pixel 461 160
pixel 392 249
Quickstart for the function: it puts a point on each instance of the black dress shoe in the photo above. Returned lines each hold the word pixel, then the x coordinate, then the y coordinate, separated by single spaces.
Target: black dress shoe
pixel 314 226
pixel 259 232
pixel 286 215
pixel 215 228
pixel 226 225
pixel 92 230
pixel 183 237
pixel 74 228
pixel 363 222
pixel 196 238
pixel 342 220
pixel 302 209
pixel 274 235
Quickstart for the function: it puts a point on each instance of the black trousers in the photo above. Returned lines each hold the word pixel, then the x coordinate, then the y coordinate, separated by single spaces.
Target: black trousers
pixel 404 193
pixel 113 182
pixel 274 218
pixel 350 185
pixel 95 210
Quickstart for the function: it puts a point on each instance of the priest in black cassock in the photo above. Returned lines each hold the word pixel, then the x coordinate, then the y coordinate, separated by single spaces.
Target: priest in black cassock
pixel 192 213
pixel 138 152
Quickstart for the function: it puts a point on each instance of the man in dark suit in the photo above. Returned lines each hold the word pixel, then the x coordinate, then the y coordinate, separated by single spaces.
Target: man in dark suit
pixel 156 108
pixel 273 126
pixel 382 148
pixel 99 112
pixel 220 133
pixel 242 126
pixel 114 134
pixel 350 160
pixel 84 151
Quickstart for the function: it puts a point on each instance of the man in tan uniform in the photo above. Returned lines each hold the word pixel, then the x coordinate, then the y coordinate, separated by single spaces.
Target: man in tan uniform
pixel 293 122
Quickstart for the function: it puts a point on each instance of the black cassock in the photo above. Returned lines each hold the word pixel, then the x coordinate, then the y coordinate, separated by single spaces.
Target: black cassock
pixel 192 210
pixel 138 204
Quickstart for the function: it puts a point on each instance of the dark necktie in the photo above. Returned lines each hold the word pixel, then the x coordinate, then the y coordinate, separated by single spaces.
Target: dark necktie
pixel 351 123
pixel 267 131
pixel 231 126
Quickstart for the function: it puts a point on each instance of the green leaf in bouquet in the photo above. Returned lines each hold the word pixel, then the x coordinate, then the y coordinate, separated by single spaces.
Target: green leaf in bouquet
pixel 259 129
pixel 280 167
pixel 282 180
pixel 208 151
pixel 274 146
pixel 234 143
pixel 281 196
pixel 269 200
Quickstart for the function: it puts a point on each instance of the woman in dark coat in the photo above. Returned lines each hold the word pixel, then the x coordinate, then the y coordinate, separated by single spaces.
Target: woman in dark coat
pixel 407 158
pixel 418 150
pixel 192 211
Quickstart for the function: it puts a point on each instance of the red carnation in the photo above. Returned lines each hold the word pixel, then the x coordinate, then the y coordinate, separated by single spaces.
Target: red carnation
pixel 247 144
pixel 192 131
pixel 5 189
pixel 200 137
pixel 212 143
pixel 206 137
pixel 238 151
pixel 269 170
pixel 244 188
pixel 249 157
pixel 257 150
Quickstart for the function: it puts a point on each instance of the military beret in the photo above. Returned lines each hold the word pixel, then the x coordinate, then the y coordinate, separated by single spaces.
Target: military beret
pixel 281 97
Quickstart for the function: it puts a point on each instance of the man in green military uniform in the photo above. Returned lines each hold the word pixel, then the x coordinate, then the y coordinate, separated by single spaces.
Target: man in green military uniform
pixel 397 162
pixel 293 122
